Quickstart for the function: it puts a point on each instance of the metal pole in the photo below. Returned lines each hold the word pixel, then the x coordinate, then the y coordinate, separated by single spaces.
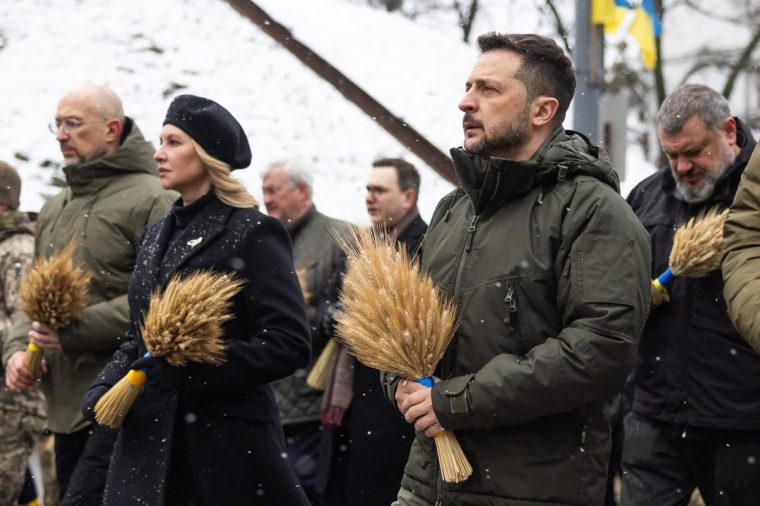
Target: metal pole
pixel 589 70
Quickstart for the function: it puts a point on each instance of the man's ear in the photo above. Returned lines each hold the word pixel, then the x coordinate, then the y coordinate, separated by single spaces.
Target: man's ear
pixel 543 110
pixel 729 128
pixel 410 199
pixel 113 130
pixel 303 189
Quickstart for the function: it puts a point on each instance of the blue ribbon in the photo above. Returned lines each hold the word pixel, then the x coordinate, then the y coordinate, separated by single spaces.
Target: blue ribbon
pixel 428 382
pixel 666 277
pixel 147 354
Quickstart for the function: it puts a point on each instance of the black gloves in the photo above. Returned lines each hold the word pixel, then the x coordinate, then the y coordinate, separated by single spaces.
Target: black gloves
pixel 91 397
pixel 161 376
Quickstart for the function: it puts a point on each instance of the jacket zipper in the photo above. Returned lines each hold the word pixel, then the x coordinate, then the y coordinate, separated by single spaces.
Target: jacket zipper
pixel 460 274
pixel 511 301
pixel 455 296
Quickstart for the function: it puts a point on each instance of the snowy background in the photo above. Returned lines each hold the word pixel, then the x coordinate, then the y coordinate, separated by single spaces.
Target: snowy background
pixel 150 50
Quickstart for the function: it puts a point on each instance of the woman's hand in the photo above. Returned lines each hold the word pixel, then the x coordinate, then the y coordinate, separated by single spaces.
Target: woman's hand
pixel 161 376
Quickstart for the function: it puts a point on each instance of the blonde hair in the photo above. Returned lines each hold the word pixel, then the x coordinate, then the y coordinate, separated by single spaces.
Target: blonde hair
pixel 227 189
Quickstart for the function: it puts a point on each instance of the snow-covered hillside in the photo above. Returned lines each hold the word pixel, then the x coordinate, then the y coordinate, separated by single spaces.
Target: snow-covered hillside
pixel 149 50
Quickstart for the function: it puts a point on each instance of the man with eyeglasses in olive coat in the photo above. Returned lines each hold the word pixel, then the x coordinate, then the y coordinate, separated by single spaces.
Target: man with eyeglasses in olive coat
pixel 112 192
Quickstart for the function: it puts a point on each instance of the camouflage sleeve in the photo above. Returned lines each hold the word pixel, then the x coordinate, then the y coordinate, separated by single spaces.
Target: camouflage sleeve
pixel 16 254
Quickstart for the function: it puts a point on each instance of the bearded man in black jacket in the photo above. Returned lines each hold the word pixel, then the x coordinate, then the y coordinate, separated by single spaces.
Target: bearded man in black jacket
pixel 696 408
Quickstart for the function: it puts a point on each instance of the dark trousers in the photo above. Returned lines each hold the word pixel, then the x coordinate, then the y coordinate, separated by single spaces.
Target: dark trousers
pixel 81 464
pixel 302 441
pixel 662 464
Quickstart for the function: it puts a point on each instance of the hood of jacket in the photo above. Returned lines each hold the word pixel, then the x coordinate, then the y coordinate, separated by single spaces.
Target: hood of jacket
pixel 134 155
pixel 564 154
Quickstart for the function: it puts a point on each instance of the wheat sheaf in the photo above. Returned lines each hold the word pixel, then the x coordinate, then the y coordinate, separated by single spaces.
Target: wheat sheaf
pixel 183 324
pixel 394 319
pixel 53 292
pixel 698 244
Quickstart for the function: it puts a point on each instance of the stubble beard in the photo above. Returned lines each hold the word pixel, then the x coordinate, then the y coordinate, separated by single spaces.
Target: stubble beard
pixel 507 137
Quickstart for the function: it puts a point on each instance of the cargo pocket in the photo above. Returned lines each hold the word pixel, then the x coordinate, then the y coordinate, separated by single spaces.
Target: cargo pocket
pixel 458 394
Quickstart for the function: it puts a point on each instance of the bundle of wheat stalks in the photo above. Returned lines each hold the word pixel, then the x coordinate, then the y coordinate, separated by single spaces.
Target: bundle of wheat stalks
pixel 320 371
pixel 54 293
pixel 697 249
pixel 393 319
pixel 183 324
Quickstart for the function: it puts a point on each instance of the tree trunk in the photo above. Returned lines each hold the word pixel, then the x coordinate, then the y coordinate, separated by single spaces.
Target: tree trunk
pixel 392 124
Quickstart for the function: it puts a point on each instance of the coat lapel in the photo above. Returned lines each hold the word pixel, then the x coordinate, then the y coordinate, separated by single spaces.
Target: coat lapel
pixel 195 238
pixel 158 248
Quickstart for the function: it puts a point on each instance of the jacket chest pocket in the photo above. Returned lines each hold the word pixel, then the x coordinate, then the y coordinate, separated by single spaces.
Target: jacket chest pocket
pixel 493 320
pixel 527 314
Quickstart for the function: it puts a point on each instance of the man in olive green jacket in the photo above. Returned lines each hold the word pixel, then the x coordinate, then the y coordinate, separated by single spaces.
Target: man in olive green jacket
pixel 112 193
pixel 549 270
pixel 741 256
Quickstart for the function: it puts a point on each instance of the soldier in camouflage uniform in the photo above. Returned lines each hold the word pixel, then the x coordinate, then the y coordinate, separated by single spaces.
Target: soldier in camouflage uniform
pixel 22 415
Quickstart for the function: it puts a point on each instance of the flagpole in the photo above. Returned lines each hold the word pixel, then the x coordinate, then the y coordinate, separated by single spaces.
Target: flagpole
pixel 589 69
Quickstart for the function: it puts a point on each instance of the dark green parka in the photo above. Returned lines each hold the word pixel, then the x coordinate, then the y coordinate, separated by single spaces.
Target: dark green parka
pixel 741 256
pixel 103 208
pixel 549 269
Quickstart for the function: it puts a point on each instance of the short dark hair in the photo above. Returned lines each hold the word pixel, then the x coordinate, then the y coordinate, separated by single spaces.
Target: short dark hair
pixel 545 69
pixel 408 177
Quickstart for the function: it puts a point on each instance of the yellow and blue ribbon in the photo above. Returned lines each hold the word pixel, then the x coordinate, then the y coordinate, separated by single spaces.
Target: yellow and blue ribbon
pixel 663 280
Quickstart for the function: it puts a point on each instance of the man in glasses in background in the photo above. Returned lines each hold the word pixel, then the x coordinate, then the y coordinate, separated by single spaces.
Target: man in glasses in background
pixel 112 192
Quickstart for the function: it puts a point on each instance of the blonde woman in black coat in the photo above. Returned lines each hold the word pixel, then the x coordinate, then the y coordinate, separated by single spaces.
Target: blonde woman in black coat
pixel 204 434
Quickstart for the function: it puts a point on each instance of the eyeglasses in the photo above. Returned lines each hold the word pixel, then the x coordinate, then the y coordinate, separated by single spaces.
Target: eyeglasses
pixel 69 124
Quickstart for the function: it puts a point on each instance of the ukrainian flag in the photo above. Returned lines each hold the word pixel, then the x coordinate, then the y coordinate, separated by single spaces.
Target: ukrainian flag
pixel 638 17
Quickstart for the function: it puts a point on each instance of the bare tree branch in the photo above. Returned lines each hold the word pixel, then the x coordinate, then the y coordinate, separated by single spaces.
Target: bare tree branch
pixel 712 14
pixel 560 26
pixel 466 19
pixel 707 61
pixel 741 63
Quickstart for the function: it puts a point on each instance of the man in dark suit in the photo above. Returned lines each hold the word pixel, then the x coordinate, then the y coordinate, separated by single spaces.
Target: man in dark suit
pixel 372 444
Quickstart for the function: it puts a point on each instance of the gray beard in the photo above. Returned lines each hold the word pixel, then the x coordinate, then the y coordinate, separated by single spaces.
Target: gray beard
pixel 694 195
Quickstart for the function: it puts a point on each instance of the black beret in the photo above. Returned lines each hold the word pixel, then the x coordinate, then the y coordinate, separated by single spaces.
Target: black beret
pixel 213 127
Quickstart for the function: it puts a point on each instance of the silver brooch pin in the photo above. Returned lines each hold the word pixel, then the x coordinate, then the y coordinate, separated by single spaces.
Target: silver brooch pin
pixel 194 242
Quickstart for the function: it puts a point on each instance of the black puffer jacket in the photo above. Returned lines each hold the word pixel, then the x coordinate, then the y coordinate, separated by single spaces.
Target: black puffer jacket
pixel 695 369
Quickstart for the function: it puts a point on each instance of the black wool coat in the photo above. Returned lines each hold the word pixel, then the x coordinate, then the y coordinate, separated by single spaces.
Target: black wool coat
pixel 220 429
